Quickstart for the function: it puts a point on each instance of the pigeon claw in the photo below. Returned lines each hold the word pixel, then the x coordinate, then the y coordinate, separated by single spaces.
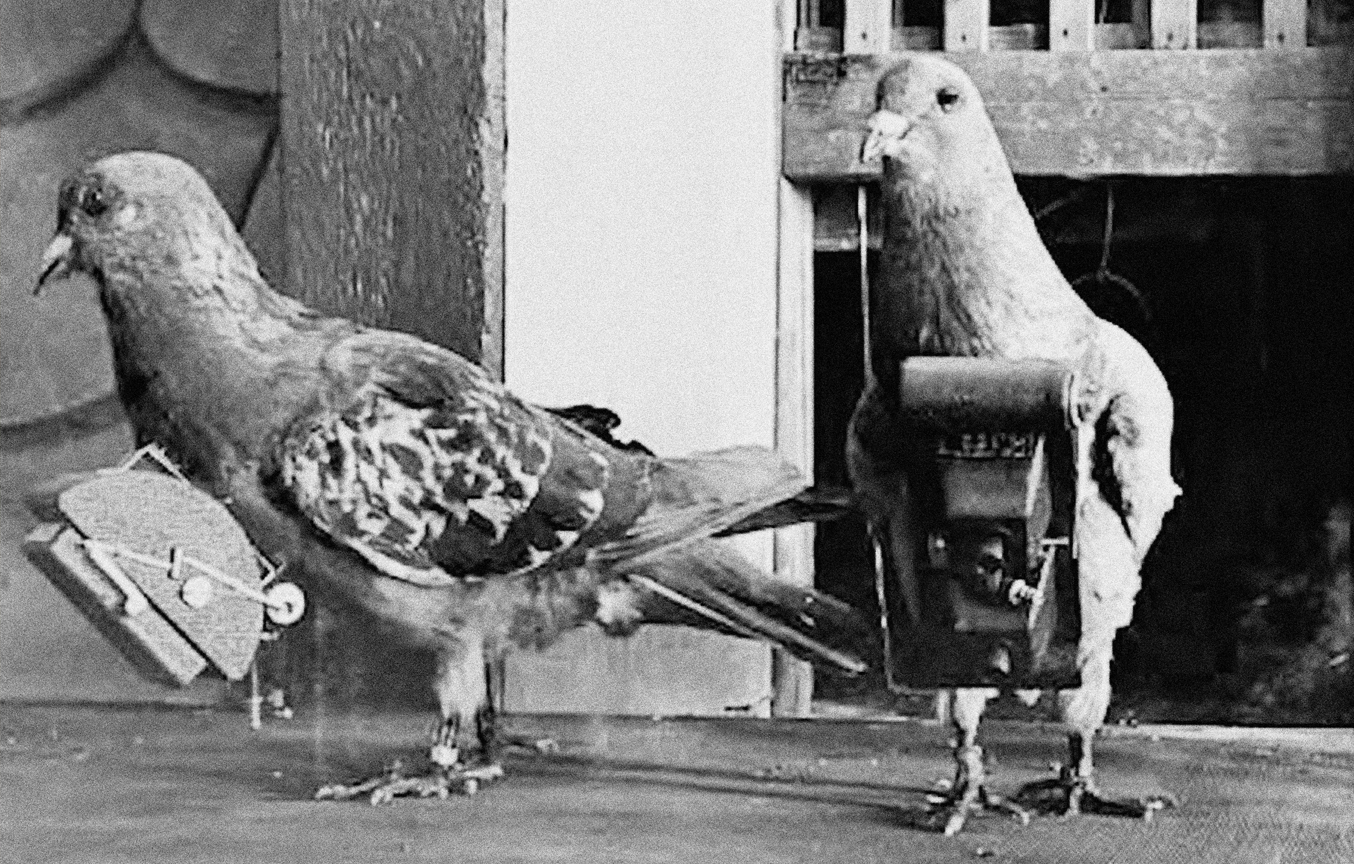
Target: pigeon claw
pixel 1072 796
pixel 970 799
pixel 439 783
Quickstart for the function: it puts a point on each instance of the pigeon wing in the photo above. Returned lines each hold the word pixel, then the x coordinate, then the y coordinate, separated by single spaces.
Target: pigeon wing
pixel 431 471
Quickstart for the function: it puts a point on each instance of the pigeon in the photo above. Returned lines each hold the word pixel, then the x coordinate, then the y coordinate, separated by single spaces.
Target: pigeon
pixel 965 274
pixel 395 477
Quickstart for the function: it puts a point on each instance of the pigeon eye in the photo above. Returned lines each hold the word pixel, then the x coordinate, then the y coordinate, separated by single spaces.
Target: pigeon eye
pixel 947 98
pixel 94 202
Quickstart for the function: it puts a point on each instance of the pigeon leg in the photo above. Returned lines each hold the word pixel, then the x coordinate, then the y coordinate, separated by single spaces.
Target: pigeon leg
pixel 493 739
pixel 969 793
pixel 1074 790
pixel 463 696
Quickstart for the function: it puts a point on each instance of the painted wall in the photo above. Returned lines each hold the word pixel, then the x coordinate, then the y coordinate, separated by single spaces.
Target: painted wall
pixel 80 79
pixel 641 275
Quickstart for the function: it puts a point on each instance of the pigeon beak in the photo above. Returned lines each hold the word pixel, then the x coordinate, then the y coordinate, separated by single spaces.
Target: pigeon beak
pixel 57 261
pixel 887 131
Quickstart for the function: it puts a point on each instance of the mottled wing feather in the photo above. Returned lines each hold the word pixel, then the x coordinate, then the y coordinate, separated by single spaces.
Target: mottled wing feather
pixel 1132 454
pixel 431 471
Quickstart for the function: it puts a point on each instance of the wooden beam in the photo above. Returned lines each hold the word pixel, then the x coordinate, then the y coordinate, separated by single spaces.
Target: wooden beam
pixel 392 164
pixel 1071 25
pixel 1088 114
pixel 965 25
pixel 792 680
pixel 1285 24
pixel 792 549
pixel 1174 24
pixel 869 27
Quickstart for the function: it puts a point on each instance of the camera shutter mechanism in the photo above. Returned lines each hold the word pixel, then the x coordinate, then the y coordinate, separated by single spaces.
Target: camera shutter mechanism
pixel 991 599
pixel 163 570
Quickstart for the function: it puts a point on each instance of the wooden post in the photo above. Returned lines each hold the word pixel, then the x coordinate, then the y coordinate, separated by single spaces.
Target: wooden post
pixel 869 27
pixel 392 164
pixel 1141 15
pixel 966 25
pixel 791 679
pixel 1175 24
pixel 1071 25
pixel 1285 23
pixel 392 147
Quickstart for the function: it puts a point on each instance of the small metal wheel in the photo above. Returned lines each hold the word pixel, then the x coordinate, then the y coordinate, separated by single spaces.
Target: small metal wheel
pixel 287 603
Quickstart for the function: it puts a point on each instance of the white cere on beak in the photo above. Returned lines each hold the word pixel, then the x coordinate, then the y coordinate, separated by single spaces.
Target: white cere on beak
pixel 126 215
pixel 887 130
pixel 56 260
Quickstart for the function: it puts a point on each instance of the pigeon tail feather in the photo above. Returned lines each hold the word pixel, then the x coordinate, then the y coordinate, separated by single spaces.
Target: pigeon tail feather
pixel 815 504
pixel 699 496
pixel 733 595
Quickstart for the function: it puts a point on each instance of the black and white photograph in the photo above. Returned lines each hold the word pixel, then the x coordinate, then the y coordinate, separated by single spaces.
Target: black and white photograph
pixel 620 432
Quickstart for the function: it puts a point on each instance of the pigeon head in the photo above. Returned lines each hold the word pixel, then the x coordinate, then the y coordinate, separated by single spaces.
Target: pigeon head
pixel 930 123
pixel 132 216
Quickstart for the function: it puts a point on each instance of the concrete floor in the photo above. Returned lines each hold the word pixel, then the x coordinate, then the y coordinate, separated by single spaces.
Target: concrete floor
pixel 82 784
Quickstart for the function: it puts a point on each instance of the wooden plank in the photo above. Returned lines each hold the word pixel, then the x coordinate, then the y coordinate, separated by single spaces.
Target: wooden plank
pixel 1103 113
pixel 1140 13
pixel 1071 25
pixel 1174 23
pixel 869 27
pixel 792 681
pixel 1023 37
pixel 966 25
pixel 392 149
pixel 1284 23
pixel 657 672
pixel 792 548
pixel 1229 34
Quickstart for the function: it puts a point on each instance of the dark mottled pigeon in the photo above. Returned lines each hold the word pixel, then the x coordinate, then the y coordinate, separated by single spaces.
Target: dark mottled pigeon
pixel 395 476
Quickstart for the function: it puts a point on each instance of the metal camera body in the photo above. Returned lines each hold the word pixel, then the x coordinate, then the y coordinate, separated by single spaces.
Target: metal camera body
pixel 989 595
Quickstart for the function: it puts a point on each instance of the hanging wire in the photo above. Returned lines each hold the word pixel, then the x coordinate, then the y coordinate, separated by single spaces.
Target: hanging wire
pixel 862 220
pixel 880 565
pixel 1102 277
pixel 1109 229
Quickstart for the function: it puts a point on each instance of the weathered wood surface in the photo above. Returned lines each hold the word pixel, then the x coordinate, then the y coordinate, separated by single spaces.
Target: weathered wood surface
pixel 153 514
pixel 392 155
pixel 1175 24
pixel 1071 25
pixel 868 26
pixel 965 25
pixel 147 641
pixel 792 679
pixel 792 548
pixel 1285 23
pixel 659 671
pixel 1103 113
pixel 1008 37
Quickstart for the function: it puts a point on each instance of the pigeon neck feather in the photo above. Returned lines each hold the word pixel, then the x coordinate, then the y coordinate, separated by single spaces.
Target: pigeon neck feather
pixel 207 356
pixel 965 272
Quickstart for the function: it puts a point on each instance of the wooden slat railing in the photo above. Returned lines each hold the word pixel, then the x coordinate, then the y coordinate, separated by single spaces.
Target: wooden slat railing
pixel 1067 102
pixel 839 25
